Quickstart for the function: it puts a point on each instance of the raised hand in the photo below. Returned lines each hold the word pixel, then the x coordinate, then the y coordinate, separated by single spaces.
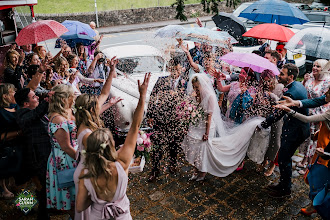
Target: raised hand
pixel 112 63
pixel 114 100
pixel 283 107
pixel 288 102
pixel 144 86
pixel 198 22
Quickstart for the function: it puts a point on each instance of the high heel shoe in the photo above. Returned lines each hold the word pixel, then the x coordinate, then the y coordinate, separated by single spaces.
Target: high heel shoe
pixel 240 167
pixel 307 213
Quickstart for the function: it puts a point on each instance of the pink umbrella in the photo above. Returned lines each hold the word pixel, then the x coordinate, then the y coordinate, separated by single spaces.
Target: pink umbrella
pixel 251 60
pixel 40 31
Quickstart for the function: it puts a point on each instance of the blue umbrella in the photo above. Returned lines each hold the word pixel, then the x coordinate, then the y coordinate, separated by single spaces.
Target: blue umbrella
pixel 78 33
pixel 73 39
pixel 77 27
pixel 274 11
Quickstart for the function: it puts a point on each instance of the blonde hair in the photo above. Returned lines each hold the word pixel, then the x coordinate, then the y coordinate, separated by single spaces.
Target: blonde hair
pixel 324 73
pixel 7 62
pixel 58 64
pixel 4 90
pixel 88 112
pixel 99 153
pixel 59 100
pixel 37 50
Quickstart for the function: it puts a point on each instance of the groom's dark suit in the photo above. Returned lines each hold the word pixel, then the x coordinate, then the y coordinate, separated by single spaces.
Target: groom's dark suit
pixel 167 132
pixel 294 132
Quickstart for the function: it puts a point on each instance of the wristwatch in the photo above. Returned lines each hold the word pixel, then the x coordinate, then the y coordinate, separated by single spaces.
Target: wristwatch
pixel 292 112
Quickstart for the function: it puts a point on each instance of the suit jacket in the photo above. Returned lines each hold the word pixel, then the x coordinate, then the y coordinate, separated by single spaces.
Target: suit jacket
pixel 313 103
pixel 295 91
pixel 34 125
pixel 162 109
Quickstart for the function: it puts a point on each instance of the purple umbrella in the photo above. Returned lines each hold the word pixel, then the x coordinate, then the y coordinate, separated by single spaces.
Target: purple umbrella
pixel 254 61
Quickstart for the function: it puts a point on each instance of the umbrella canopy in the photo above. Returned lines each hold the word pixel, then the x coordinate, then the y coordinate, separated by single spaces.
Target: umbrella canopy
pixel 169 31
pixel 313 42
pixel 40 31
pixel 73 39
pixel 77 27
pixel 251 60
pixel 230 23
pixel 205 35
pixel 274 11
pixel 271 32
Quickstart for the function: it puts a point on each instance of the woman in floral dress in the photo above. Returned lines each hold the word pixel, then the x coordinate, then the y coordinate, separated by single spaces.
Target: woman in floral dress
pixel 316 84
pixel 62 129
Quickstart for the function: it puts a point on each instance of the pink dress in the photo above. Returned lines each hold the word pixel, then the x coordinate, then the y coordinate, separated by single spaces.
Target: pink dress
pixel 118 208
pixel 84 214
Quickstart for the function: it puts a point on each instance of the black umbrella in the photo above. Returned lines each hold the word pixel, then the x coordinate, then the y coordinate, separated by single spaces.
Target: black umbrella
pixel 230 23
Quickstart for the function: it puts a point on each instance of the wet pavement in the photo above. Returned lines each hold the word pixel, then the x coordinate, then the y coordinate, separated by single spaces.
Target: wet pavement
pixel 241 195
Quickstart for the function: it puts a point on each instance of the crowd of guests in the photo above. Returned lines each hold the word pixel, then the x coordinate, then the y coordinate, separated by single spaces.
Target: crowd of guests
pixel 50 109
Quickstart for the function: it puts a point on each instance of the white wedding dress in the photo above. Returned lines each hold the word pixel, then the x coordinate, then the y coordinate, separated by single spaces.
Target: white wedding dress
pixel 227 144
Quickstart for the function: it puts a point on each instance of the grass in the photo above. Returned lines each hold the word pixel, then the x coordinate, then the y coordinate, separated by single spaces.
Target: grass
pixel 73 6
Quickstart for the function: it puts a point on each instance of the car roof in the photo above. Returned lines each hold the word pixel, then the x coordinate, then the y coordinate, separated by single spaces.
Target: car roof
pixel 131 51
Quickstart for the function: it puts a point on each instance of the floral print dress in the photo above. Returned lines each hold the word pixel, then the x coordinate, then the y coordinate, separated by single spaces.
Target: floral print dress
pixel 315 92
pixel 60 198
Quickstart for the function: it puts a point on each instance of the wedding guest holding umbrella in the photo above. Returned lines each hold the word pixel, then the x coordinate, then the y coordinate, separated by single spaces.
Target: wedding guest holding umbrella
pixel 41 51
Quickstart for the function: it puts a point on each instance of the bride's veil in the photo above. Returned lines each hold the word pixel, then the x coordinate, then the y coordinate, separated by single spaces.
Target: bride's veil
pixel 210 104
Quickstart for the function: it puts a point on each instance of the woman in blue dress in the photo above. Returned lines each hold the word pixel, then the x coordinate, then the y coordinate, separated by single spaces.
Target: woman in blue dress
pixel 62 129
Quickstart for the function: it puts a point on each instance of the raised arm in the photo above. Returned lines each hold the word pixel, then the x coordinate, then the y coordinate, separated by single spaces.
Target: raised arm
pixel 304 118
pixel 105 92
pixel 126 152
pixel 190 59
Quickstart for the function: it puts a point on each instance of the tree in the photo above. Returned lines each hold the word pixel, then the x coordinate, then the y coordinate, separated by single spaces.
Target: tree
pixel 208 6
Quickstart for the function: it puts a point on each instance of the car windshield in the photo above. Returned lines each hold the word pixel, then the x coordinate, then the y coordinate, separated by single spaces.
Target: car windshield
pixel 139 65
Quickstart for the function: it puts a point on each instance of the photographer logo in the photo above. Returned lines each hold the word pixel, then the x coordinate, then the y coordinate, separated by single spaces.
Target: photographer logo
pixel 26 201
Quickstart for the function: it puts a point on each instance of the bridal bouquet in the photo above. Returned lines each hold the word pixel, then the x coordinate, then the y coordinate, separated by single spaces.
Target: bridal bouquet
pixel 189 112
pixel 143 145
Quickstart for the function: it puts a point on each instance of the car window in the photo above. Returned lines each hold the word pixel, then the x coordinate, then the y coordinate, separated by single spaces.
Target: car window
pixel 315 17
pixel 140 65
pixel 247 42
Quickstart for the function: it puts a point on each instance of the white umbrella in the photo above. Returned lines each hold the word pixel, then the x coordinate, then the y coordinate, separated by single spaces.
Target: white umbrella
pixel 313 42
pixel 169 31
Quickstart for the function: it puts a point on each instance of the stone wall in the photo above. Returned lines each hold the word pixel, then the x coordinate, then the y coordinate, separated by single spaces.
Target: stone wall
pixel 137 16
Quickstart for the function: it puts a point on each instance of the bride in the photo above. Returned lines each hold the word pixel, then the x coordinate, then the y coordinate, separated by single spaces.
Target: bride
pixel 213 145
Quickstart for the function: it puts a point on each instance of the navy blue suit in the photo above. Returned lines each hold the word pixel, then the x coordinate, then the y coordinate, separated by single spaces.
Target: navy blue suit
pixel 294 132
pixel 313 103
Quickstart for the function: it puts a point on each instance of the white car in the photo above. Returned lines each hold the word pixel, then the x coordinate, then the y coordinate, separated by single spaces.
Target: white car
pixel 134 62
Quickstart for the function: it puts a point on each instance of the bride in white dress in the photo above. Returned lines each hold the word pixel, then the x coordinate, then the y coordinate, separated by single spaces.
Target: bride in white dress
pixel 213 145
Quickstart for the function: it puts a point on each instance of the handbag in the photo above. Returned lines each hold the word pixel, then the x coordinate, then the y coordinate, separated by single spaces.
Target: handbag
pixel 10 158
pixel 321 202
pixel 64 177
pixel 318 177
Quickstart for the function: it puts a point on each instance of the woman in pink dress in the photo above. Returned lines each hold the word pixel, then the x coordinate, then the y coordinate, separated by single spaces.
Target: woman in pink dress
pixel 103 182
pixel 89 107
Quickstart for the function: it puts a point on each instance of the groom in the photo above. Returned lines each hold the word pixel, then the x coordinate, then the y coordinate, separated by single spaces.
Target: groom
pixel 294 131
pixel 161 115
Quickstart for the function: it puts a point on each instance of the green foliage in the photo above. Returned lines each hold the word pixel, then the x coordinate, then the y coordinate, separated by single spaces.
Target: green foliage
pixel 208 6
pixel 180 10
